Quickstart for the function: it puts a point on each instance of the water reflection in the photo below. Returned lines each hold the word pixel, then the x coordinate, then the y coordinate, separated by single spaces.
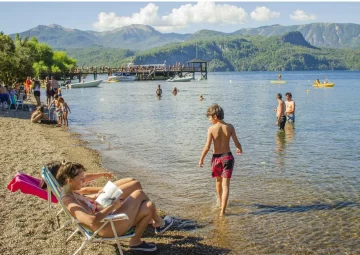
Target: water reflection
pixel 283 139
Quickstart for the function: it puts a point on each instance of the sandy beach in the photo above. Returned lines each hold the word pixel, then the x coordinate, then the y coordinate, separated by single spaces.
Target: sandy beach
pixel 28 227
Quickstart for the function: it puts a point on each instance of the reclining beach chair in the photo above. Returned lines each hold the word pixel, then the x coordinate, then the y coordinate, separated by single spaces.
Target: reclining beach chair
pixel 89 236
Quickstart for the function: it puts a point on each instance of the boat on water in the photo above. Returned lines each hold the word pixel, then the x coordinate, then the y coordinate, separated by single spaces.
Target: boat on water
pixel 123 77
pixel 87 84
pixel 113 79
pixel 176 78
pixel 278 82
pixel 328 85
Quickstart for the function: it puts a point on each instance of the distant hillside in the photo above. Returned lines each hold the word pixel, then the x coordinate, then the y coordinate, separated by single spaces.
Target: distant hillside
pixel 333 35
pixel 254 53
pixel 134 37
pixel 141 37
pixel 99 56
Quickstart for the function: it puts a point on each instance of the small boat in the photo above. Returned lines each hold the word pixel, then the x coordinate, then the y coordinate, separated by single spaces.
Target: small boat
pixel 113 79
pixel 87 84
pixel 176 78
pixel 328 85
pixel 124 76
pixel 278 82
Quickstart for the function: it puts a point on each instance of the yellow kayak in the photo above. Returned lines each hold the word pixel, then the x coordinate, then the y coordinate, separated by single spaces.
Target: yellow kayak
pixel 323 84
pixel 278 82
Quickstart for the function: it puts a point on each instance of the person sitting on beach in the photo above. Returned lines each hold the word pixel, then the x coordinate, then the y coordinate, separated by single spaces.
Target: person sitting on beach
pixel 159 91
pixel 38 115
pixel 136 206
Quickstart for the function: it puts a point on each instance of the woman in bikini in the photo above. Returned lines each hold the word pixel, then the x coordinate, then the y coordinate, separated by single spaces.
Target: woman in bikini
pixel 136 205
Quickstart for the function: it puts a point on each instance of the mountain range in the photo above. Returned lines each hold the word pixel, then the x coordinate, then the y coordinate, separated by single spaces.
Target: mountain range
pixel 142 37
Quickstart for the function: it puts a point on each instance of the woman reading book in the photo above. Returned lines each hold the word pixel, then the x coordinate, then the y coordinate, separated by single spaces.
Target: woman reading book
pixel 127 185
pixel 137 206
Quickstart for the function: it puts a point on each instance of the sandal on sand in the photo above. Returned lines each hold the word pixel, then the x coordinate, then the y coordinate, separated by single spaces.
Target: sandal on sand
pixel 143 247
pixel 168 223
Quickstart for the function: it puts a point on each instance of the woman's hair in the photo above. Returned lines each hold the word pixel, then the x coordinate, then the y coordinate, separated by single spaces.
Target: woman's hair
pixel 68 170
pixel 53 167
pixel 215 110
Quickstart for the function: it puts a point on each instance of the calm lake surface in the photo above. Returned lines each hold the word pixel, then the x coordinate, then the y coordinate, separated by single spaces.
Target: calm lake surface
pixel 292 192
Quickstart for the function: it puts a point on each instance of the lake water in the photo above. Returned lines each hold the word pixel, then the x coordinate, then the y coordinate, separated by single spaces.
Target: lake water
pixel 292 192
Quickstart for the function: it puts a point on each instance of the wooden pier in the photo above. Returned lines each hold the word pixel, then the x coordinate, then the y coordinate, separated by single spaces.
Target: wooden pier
pixel 142 72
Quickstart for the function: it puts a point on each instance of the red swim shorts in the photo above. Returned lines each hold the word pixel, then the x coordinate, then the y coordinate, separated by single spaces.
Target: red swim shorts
pixel 222 165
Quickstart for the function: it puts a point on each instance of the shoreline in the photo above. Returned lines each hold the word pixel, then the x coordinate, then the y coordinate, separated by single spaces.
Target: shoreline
pixel 29 227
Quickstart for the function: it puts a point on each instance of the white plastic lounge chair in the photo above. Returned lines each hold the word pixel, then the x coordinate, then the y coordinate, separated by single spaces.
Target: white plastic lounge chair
pixel 19 101
pixel 89 236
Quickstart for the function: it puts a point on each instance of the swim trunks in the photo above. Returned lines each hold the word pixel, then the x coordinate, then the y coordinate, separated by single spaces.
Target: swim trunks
pixel 290 117
pixel 4 98
pixel 282 122
pixel 222 165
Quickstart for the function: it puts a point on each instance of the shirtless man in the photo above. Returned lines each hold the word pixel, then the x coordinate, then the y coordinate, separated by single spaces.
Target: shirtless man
pixel 222 162
pixel 280 112
pixel 290 107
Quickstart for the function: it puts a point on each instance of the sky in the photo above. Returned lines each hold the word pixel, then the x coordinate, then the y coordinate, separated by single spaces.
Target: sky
pixel 178 17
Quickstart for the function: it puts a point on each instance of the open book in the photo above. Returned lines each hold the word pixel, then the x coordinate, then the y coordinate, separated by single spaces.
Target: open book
pixel 111 192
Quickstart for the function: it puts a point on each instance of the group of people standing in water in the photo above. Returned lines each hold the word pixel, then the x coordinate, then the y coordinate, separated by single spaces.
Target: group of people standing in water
pixel 285 111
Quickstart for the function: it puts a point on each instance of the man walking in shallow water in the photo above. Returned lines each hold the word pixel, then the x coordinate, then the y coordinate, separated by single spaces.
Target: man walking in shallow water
pixel 222 162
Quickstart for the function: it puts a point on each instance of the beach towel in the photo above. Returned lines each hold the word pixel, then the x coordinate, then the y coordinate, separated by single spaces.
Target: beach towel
pixel 29 185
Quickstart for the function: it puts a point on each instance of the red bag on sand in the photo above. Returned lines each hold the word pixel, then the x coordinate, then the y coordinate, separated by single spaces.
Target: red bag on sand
pixel 29 185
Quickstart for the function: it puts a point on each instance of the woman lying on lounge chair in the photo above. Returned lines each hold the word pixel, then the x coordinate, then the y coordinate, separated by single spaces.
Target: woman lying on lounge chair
pixel 137 206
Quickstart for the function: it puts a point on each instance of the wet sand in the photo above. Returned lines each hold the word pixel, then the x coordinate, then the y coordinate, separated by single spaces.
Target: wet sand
pixel 28 227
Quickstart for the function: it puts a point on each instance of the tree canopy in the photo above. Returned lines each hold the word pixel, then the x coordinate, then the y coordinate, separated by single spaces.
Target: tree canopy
pixel 22 57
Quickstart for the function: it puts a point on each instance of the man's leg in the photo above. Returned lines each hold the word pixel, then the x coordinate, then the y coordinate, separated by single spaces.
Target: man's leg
pixel 225 194
pixel 219 190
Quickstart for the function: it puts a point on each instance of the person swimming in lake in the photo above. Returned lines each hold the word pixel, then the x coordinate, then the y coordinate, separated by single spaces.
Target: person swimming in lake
pixel 201 98
pixel 175 91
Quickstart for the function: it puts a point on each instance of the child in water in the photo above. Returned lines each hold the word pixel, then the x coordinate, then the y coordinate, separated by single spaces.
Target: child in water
pixel 201 98
pixel 222 162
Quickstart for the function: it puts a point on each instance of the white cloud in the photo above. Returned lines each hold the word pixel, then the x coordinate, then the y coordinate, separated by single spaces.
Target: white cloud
pixel 300 15
pixel 263 14
pixel 185 15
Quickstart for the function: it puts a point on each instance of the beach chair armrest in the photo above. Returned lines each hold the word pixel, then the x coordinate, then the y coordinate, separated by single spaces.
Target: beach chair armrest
pixel 114 217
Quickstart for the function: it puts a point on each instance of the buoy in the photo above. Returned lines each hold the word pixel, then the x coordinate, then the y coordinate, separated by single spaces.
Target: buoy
pixel 308 90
